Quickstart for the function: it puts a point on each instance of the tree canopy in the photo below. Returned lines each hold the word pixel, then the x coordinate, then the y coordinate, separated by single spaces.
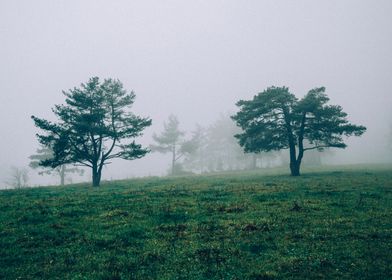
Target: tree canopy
pixel 95 126
pixel 275 119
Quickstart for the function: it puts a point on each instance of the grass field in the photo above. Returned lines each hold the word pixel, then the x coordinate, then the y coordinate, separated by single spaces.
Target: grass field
pixel 329 224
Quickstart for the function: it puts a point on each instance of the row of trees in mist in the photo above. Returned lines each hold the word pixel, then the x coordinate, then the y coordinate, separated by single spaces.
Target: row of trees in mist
pixel 206 149
pixel 95 126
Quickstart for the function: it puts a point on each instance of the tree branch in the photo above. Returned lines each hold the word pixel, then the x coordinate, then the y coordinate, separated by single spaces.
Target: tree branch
pixel 320 147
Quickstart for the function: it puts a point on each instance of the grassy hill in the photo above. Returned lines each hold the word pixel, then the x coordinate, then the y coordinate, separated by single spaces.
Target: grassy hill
pixel 331 224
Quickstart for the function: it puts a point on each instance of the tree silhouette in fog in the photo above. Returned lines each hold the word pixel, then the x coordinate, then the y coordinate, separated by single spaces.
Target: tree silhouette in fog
pixel 275 119
pixel 171 140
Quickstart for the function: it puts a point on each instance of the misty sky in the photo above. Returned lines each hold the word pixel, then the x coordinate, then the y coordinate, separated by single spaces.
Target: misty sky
pixel 194 59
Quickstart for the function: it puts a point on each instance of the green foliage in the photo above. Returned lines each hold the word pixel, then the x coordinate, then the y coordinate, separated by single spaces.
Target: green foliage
pixel 323 225
pixel 262 120
pixel 94 126
pixel 275 119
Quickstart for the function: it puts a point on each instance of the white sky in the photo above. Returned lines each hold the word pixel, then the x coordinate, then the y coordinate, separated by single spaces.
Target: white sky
pixel 194 59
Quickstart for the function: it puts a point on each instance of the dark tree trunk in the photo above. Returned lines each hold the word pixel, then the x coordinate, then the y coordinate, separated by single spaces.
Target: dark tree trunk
pixel 294 168
pixel 295 162
pixel 297 165
pixel 96 175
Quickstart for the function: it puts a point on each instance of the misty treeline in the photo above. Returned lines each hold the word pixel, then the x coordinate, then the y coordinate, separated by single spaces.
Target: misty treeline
pixel 214 149
pixel 207 149
pixel 95 125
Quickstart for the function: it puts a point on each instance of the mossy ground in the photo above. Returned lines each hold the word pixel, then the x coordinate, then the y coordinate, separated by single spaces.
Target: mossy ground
pixel 323 225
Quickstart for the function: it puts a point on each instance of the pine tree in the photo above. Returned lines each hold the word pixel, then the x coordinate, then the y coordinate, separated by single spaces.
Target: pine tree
pixel 171 141
pixel 95 126
pixel 275 119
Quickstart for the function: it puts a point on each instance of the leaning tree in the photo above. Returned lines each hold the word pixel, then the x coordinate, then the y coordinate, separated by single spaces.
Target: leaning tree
pixel 275 119
pixel 95 126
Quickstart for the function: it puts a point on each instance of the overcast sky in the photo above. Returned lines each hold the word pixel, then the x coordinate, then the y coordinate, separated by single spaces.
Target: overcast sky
pixel 194 59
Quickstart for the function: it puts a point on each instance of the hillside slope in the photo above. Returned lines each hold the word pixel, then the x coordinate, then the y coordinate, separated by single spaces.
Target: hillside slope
pixel 331 225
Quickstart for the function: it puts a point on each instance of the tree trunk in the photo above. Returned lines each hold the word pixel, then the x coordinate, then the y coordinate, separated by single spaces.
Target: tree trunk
pixel 96 175
pixel 295 163
pixel 173 160
pixel 62 175
pixel 294 168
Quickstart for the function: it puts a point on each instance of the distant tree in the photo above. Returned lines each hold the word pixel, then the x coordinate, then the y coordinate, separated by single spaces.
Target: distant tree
pixel 171 141
pixel 95 126
pixel 45 153
pixel 195 158
pixel 275 119
pixel 18 178
pixel 222 149
pixel 215 149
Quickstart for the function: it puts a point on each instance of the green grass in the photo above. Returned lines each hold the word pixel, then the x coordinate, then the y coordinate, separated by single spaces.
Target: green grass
pixel 331 224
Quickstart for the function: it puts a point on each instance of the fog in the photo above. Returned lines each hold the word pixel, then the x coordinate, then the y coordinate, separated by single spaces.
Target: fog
pixel 193 59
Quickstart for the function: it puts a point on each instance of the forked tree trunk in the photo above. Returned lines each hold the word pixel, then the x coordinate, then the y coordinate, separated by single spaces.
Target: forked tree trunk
pixel 96 179
pixel 295 162
pixel 295 168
